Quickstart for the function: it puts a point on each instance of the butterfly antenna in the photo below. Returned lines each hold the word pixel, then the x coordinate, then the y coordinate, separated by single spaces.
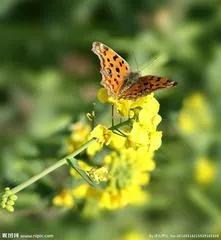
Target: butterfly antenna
pixel 135 60
pixel 160 58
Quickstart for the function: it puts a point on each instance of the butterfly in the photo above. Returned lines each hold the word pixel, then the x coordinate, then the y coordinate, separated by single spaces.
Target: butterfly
pixel 120 81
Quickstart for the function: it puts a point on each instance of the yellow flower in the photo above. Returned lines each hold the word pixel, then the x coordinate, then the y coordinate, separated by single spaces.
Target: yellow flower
pixel 123 106
pixel 155 140
pixel 94 148
pixel 149 119
pixel 121 198
pixel 84 166
pixel 78 136
pixel 144 130
pixel 150 108
pixel 80 191
pixel 195 115
pixel 126 107
pixel 205 171
pixel 139 135
pixel 64 199
pixel 128 158
pixel 102 136
pixel 98 174
pixel 102 95
pixel 117 142
pixel 186 122
pixel 128 172
pixel 144 159
pixel 133 235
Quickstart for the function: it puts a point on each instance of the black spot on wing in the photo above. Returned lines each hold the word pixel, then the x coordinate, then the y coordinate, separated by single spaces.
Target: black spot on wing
pixel 115 80
pixel 115 57
pixel 151 77
pixel 105 48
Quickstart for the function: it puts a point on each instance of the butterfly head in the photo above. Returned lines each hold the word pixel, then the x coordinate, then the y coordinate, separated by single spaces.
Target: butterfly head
pixel 133 77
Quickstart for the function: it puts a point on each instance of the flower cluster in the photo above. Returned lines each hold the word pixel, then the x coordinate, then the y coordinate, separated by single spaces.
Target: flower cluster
pixel 195 116
pixel 8 200
pixel 195 122
pixel 79 134
pixel 123 152
pixel 205 171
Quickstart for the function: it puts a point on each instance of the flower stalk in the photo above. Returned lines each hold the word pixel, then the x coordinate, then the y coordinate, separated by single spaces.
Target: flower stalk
pixel 69 159
pixel 120 179
pixel 205 204
pixel 50 169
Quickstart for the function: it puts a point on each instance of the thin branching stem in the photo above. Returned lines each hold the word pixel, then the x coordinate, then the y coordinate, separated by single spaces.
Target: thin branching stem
pixel 112 115
pixel 50 169
pixel 61 162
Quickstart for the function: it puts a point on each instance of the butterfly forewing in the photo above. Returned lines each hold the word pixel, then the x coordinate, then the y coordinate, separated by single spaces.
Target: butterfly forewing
pixel 114 68
pixel 145 85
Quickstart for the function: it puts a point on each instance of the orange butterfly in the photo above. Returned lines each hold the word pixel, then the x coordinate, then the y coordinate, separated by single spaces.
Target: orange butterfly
pixel 120 81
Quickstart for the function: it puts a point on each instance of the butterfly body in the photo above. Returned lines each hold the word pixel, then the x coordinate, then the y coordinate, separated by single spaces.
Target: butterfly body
pixel 132 78
pixel 120 81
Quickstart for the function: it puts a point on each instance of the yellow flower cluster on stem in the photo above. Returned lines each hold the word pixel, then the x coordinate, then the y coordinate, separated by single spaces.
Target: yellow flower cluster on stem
pixel 126 153
pixel 195 116
pixel 205 171
pixel 195 122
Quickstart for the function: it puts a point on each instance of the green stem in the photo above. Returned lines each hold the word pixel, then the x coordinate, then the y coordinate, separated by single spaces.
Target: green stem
pixel 51 168
pixel 74 164
pixel 205 204
pixel 112 115
pixel 60 163
pixel 121 124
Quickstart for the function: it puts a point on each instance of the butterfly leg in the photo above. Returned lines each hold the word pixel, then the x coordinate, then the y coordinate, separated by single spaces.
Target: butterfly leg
pixel 112 115
pixel 120 133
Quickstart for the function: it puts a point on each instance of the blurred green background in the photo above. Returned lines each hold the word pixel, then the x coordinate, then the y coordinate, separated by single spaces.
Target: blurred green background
pixel 49 78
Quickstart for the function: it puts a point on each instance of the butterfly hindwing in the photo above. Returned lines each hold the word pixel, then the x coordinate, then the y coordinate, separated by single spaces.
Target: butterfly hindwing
pixel 145 85
pixel 114 68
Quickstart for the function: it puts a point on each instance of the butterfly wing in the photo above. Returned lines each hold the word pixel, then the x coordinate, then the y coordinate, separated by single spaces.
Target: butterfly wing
pixel 114 68
pixel 145 85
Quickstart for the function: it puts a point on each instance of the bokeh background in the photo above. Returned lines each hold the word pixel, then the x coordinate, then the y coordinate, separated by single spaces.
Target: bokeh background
pixel 49 78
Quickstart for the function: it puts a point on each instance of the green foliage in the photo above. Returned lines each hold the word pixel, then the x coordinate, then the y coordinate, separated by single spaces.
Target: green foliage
pixel 49 78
